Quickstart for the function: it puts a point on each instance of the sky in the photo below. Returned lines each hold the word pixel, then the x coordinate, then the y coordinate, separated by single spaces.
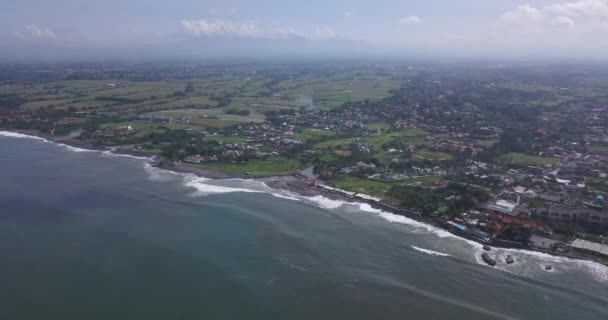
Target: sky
pixel 81 29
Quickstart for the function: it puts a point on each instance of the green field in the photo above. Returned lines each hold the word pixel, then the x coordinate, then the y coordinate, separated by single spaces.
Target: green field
pixel 520 159
pixel 273 166
pixel 409 136
pixel 424 181
pixel 382 126
pixel 311 134
pixel 597 148
pixel 435 156
pixel 325 91
pixel 362 185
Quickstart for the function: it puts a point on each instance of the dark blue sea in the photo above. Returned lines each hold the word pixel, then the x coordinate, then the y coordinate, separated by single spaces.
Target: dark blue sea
pixel 92 235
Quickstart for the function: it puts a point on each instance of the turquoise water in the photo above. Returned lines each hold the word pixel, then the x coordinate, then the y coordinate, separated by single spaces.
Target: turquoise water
pixel 89 235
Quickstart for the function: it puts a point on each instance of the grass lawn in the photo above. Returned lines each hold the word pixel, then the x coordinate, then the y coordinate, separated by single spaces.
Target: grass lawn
pixel 431 155
pixel 330 144
pixel 409 136
pixel 362 185
pixel 311 134
pixel 424 181
pixel 597 148
pixel 378 126
pixel 520 159
pixel 272 166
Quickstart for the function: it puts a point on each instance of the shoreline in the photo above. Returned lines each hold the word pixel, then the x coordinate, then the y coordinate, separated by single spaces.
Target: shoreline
pixel 281 183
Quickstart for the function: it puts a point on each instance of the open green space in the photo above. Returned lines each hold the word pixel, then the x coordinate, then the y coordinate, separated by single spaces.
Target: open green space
pixel 426 181
pixel 403 137
pixel 382 126
pixel 598 148
pixel 362 185
pixel 272 166
pixel 312 134
pixel 520 159
pixel 434 156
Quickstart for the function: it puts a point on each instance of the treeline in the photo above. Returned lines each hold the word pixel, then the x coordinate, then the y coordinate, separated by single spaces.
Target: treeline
pixel 238 112
pixel 451 200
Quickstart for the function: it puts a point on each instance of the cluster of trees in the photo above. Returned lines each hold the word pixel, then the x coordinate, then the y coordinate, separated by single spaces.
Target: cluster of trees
pixel 239 112
pixel 450 200
pixel 222 99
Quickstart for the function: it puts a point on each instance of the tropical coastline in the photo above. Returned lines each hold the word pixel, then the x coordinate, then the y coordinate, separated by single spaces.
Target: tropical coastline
pixel 294 183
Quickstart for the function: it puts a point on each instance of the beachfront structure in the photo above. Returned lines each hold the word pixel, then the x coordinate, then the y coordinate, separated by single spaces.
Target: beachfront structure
pixel 589 247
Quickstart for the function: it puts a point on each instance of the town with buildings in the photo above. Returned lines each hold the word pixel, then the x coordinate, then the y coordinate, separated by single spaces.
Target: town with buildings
pixel 485 159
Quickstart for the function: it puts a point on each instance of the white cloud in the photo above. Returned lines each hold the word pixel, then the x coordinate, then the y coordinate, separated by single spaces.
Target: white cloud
pixel 581 8
pixel 247 29
pixel 564 21
pixel 524 14
pixel 410 20
pixel 253 30
pixel 560 14
pixel 35 32
pixel 350 13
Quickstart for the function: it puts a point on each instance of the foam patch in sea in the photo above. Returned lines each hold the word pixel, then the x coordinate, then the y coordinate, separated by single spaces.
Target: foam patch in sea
pixel 431 252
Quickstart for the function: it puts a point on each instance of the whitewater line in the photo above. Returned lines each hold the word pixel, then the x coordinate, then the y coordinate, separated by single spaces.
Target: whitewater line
pixel 111 152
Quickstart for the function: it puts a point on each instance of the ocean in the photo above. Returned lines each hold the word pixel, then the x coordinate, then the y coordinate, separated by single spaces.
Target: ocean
pixel 93 235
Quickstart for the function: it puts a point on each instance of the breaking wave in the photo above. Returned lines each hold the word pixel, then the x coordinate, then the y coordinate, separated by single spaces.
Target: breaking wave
pixel 326 203
pixel 111 152
pixel 431 252
pixel 528 263
pixel 10 134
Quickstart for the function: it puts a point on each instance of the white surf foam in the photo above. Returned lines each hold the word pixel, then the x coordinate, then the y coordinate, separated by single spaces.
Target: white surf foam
pixel 68 147
pixel 113 153
pixel 21 136
pixel 73 149
pixel 431 252
pixel 522 256
pixel 157 174
pixel 526 261
pixel 327 203
pixel 203 187
pixel 391 217
pixel 286 197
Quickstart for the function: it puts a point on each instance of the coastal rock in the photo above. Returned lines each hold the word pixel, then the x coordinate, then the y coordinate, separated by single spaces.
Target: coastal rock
pixel 487 259
pixel 510 260
pixel 487 248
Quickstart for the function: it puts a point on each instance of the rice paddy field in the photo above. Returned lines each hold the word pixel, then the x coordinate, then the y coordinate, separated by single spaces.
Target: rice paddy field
pixel 256 92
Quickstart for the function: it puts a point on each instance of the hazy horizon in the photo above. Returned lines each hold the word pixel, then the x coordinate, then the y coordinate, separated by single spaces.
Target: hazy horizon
pixel 30 30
